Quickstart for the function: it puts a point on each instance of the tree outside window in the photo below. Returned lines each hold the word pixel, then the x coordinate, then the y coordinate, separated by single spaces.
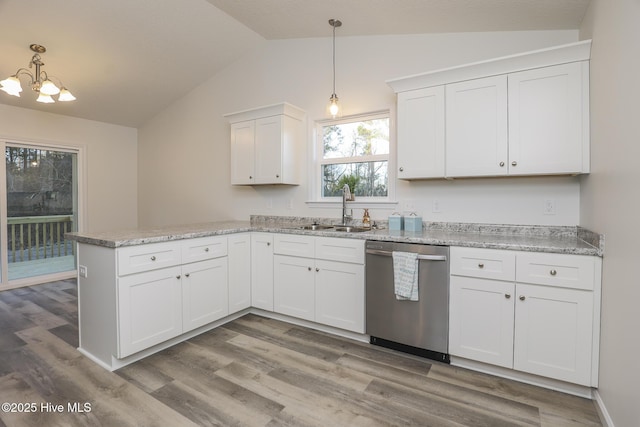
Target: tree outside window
pixel 355 152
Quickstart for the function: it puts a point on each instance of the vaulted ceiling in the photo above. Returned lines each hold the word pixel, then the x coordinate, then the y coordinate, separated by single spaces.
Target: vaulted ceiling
pixel 127 60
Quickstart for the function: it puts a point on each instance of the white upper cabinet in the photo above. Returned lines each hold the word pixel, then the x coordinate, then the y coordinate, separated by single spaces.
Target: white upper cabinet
pixel 421 130
pixel 265 145
pixel 525 114
pixel 476 124
pixel 549 120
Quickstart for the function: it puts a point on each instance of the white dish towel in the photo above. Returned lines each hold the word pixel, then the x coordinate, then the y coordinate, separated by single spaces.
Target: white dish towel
pixel 405 275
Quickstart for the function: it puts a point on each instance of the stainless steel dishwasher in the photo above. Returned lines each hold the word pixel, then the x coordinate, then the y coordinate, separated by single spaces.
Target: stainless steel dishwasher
pixel 418 327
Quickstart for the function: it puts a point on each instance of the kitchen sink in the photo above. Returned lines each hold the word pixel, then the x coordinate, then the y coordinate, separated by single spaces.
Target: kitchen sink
pixel 316 227
pixel 350 229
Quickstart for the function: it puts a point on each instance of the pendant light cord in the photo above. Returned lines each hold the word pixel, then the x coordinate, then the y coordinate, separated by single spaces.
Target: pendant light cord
pixel 334 57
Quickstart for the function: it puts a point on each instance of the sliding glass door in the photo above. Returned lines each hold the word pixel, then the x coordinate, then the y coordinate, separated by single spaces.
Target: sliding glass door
pixel 40 205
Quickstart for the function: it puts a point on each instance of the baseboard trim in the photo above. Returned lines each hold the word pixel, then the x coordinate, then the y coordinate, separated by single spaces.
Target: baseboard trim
pixel 602 410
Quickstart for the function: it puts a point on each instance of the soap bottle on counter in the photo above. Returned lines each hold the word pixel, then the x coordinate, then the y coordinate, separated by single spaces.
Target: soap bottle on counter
pixel 366 219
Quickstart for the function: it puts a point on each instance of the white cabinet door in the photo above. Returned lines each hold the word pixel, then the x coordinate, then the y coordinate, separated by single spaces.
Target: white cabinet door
pixel 294 286
pixel 204 292
pixel 239 258
pixel 262 271
pixel 339 295
pixel 548 120
pixel 421 133
pixel 268 146
pixel 476 127
pixel 242 153
pixel 149 309
pixel 481 320
pixel 554 332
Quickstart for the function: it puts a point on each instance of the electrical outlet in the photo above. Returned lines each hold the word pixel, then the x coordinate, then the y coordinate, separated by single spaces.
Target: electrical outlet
pixel 549 207
pixel 409 205
pixel 435 207
pixel 83 271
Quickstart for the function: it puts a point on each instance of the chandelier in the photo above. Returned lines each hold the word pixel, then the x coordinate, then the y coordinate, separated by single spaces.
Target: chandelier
pixel 39 80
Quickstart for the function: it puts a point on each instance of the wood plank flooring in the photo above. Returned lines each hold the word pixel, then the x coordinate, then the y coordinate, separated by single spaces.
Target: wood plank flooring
pixel 251 372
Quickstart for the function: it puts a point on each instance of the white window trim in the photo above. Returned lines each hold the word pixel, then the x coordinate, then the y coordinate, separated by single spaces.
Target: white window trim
pixel 315 198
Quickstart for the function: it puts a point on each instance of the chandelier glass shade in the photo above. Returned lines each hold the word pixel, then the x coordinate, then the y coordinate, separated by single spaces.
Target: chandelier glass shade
pixel 39 81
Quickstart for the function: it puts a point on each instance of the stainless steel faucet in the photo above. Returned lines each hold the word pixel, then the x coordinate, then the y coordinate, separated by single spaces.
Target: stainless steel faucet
pixel 346 197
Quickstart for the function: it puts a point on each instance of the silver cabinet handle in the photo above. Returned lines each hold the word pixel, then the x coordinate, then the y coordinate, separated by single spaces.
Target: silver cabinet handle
pixel 420 257
pixel 206 249
pixel 268 243
pixel 480 265
pixel 507 296
pixel 250 177
pixel 522 298
pixel 553 272
pixel 178 277
pixel 309 268
pixel 277 176
pixel 317 269
pixel 153 258
pixel 501 164
pixel 401 169
pixel 514 163
pixel 187 274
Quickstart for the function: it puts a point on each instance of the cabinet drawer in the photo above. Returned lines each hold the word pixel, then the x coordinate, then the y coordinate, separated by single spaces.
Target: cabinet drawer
pixel 560 270
pixel 483 263
pixel 203 248
pixel 136 259
pixel 294 245
pixel 336 249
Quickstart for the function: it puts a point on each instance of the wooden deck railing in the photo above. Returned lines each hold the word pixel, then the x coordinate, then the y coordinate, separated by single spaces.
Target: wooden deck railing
pixel 38 237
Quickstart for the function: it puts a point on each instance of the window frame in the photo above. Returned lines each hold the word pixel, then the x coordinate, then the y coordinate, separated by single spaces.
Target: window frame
pixel 316 161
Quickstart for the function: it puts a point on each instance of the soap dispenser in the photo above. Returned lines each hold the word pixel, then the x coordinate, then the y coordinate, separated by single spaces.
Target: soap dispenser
pixel 366 220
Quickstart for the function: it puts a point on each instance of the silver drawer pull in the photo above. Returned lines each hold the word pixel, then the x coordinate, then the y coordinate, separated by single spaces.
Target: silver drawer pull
pixel 153 258
pixel 178 277
pixel 522 298
pixel 480 265
pixel 206 249
pixel 507 296
pixel 317 269
pixel 309 268
pixel 553 272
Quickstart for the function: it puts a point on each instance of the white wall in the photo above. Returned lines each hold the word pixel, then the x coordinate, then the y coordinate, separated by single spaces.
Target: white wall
pixel 609 196
pixel 184 151
pixel 111 160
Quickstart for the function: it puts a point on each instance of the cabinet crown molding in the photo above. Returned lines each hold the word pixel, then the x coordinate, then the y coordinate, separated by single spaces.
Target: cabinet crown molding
pixel 283 108
pixel 572 52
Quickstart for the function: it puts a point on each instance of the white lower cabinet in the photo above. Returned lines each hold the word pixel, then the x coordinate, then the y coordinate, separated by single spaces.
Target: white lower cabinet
pixel 548 328
pixel 204 293
pixel 554 328
pixel 262 270
pixel 325 285
pixel 339 295
pixel 239 258
pixel 481 325
pixel 149 309
pixel 294 286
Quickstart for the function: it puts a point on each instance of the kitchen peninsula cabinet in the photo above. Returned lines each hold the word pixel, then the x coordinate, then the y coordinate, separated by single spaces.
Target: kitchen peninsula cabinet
pixel 525 114
pixel 265 143
pixel 532 312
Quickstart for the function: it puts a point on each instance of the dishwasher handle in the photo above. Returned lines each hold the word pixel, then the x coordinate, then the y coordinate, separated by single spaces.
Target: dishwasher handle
pixel 420 257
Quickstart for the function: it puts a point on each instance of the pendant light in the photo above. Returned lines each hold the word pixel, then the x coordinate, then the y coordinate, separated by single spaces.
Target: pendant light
pixel 334 108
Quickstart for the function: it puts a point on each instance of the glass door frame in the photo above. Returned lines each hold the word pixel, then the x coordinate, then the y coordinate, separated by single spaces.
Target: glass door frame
pixel 79 209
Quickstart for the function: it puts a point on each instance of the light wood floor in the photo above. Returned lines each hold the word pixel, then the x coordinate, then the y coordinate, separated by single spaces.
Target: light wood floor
pixel 250 372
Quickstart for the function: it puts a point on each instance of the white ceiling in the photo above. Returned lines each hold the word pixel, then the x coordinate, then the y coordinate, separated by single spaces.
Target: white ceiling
pixel 126 60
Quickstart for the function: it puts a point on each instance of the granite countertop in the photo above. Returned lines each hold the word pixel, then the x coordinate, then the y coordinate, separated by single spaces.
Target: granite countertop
pixel 553 239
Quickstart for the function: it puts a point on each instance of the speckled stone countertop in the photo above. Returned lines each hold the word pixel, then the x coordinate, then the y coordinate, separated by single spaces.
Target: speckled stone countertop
pixel 554 239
